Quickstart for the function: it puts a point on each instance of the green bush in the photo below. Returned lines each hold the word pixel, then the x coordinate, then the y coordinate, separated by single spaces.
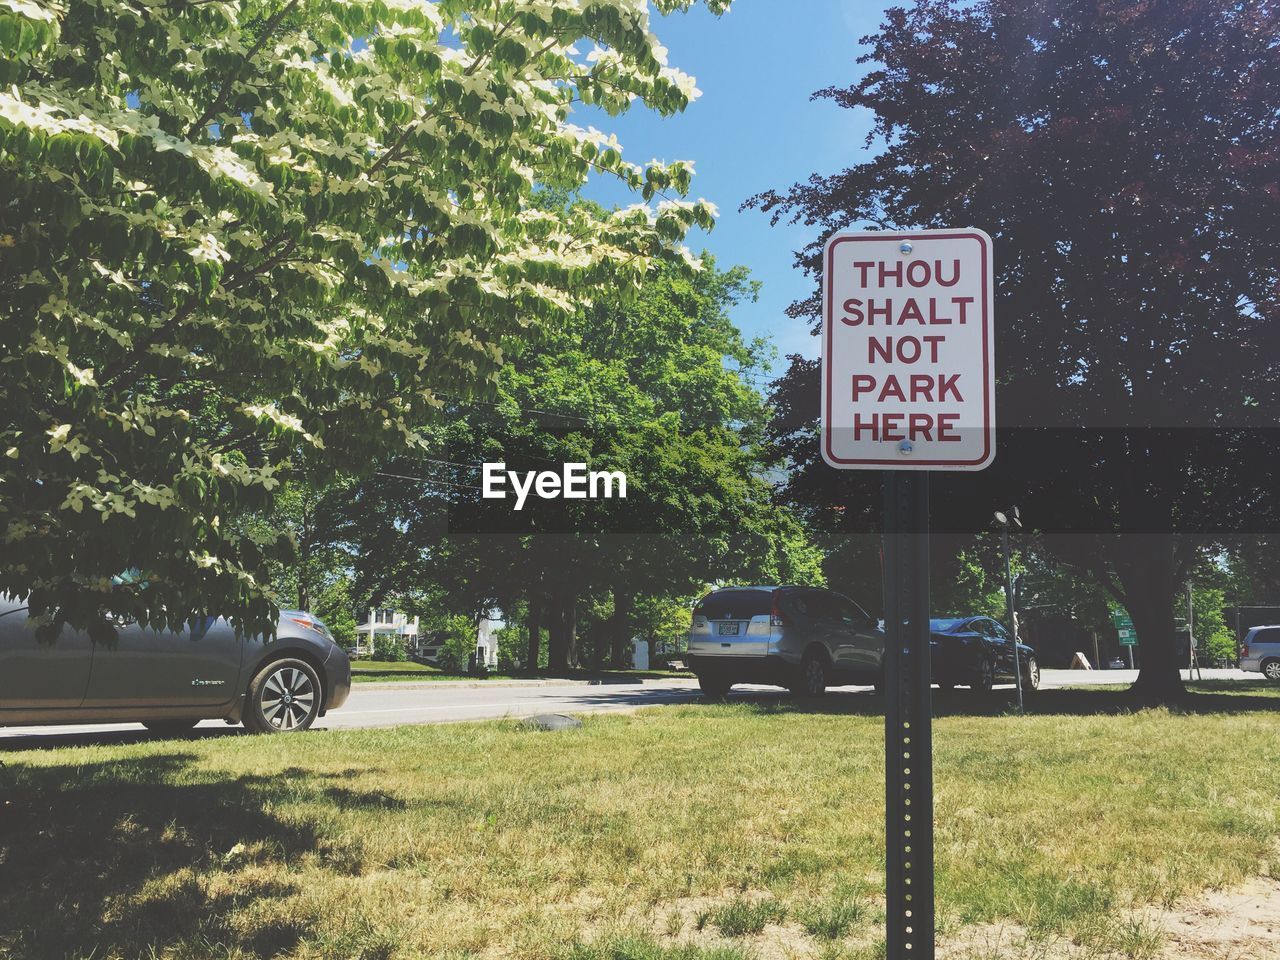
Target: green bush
pixel 389 647
pixel 1220 645
pixel 459 644
pixel 513 647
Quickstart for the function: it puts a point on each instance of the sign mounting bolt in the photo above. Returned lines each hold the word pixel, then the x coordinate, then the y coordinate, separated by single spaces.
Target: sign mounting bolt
pixel 905 247
pixel 905 448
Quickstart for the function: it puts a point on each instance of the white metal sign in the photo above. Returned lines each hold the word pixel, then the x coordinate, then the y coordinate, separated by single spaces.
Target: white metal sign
pixel 908 351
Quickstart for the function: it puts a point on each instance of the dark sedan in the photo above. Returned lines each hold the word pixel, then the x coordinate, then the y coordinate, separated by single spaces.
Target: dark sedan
pixel 976 652
pixel 170 681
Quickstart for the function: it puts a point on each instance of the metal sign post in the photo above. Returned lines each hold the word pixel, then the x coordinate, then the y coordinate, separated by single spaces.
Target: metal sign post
pixel 907 719
pixel 908 386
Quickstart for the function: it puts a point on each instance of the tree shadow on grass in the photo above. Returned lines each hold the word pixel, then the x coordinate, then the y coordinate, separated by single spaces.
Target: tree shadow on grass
pixel 113 857
pixel 15 739
pixel 1231 697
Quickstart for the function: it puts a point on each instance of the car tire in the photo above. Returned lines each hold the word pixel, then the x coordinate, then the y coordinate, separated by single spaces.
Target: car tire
pixel 812 681
pixel 1271 669
pixel 284 697
pixel 714 689
pixel 1031 674
pixel 986 680
pixel 170 728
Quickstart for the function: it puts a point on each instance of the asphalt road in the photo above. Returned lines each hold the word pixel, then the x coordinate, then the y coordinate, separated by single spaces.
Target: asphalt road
pixel 390 704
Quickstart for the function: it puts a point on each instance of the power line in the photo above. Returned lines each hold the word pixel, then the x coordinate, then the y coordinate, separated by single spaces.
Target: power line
pixel 441 483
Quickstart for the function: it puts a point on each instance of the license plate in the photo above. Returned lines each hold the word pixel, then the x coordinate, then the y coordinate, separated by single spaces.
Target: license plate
pixel 727 629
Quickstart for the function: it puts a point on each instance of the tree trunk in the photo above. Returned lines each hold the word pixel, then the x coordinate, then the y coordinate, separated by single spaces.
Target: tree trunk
pixel 619 630
pixel 533 624
pixel 598 639
pixel 1147 570
pixel 557 635
pixel 304 562
pixel 571 629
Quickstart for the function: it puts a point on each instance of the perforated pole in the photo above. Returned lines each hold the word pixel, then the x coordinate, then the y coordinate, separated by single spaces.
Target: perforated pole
pixel 908 740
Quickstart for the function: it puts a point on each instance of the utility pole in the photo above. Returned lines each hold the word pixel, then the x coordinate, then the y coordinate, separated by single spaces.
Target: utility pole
pixel 1005 521
pixel 1193 662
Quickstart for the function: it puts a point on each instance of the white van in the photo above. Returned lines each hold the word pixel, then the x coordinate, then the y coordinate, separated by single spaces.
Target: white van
pixel 1261 651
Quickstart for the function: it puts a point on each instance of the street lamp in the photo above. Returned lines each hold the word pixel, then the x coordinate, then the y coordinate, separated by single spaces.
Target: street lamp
pixel 1014 520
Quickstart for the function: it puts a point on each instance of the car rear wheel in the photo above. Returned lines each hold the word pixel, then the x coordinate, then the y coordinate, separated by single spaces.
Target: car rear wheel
pixel 812 682
pixel 1271 669
pixel 170 728
pixel 986 679
pixel 1031 674
pixel 714 689
pixel 283 698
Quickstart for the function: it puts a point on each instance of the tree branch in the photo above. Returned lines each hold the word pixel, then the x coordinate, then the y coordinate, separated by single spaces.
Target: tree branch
pixel 224 91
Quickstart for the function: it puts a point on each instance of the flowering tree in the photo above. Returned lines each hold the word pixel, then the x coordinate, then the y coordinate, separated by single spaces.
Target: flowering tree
pixel 239 235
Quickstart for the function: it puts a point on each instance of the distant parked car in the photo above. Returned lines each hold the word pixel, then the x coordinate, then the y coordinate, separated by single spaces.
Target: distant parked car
pixel 804 638
pixel 807 638
pixel 977 652
pixel 170 681
pixel 1261 651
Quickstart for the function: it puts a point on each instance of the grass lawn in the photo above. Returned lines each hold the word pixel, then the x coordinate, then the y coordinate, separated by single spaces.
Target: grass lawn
pixel 683 833
pixel 372 671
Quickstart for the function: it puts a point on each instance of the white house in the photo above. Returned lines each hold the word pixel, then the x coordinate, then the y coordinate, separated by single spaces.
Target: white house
pixel 393 623
pixel 388 623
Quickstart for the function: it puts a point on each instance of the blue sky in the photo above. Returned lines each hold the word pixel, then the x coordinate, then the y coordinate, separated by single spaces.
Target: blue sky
pixel 754 128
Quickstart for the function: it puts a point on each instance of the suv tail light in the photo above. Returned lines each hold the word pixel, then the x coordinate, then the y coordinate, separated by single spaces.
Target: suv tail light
pixel 1244 650
pixel 775 614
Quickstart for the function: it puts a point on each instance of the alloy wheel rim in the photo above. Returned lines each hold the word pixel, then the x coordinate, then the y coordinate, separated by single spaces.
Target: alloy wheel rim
pixel 815 676
pixel 287 698
pixel 1273 671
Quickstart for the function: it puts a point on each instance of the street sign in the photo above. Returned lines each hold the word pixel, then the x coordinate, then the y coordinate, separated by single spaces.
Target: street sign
pixel 908 343
pixel 908 385
pixel 1124 627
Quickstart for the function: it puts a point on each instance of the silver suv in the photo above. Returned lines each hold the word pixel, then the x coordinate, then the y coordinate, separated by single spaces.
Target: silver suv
pixel 804 638
pixel 1261 651
pixel 171 681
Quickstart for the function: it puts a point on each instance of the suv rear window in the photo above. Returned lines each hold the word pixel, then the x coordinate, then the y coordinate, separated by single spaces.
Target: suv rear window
pixel 735 605
pixel 1267 636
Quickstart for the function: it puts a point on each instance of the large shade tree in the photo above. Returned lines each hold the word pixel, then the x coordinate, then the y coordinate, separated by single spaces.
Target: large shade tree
pixel 1123 154
pixel 240 237
pixel 657 386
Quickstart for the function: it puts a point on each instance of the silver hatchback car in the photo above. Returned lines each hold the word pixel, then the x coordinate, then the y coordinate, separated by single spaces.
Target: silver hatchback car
pixel 170 681
pixel 1261 651
pixel 805 638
